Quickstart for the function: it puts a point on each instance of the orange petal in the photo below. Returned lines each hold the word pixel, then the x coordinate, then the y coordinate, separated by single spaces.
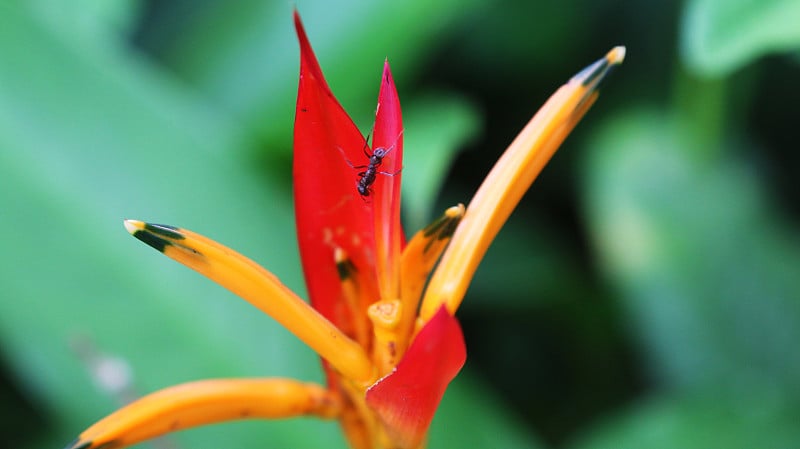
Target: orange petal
pixel 510 178
pixel 206 402
pixel 262 289
pixel 419 258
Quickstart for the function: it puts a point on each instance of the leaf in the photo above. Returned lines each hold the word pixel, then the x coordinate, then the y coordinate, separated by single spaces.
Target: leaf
pixel 242 55
pixel 93 22
pixel 437 126
pixel 708 273
pixel 755 418
pixel 721 36
pixel 89 136
pixel 470 415
pixel 528 265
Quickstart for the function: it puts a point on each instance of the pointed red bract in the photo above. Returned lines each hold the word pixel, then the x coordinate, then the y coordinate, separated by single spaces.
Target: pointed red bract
pixel 406 399
pixel 328 209
pixel 388 231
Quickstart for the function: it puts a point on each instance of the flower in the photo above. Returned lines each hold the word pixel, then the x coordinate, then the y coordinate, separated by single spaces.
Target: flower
pixel 389 344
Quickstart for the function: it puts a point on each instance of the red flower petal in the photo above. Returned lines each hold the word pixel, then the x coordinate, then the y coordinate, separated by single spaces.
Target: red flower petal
pixel 406 399
pixel 328 209
pixel 388 230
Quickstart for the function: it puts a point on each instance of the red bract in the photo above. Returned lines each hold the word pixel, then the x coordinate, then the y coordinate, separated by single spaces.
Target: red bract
pixel 406 400
pixel 330 212
pixel 327 212
pixel 333 216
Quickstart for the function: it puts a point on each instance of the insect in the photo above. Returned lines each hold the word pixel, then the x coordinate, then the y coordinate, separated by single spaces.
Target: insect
pixel 367 177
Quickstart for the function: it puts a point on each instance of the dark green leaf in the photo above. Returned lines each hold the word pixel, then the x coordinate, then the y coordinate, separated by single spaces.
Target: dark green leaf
pixel 470 416
pixel 243 54
pixel 752 418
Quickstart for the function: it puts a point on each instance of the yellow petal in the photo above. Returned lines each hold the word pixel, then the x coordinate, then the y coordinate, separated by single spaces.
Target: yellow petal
pixel 206 402
pixel 510 178
pixel 419 257
pixel 262 289
pixel 385 317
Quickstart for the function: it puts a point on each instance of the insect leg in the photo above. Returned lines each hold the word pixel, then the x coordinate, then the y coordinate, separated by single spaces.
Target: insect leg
pixel 348 160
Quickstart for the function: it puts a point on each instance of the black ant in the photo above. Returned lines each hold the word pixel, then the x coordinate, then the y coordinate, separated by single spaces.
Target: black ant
pixel 367 177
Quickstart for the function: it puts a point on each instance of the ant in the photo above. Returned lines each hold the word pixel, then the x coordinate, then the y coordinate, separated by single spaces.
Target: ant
pixel 367 177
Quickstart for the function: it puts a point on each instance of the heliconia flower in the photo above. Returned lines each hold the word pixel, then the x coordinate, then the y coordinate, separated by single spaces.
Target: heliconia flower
pixel 390 345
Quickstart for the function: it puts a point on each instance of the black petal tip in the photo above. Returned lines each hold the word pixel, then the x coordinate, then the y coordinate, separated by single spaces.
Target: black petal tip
pixel 167 231
pixel 152 240
pixel 345 268
pixel 592 75
pixel 77 444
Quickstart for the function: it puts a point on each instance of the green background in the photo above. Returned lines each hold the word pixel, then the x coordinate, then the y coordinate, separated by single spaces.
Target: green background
pixel 646 293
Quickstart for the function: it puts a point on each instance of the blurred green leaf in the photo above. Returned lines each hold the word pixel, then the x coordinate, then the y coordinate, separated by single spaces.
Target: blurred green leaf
pixel 96 22
pixel 721 36
pixel 543 31
pixel 751 419
pixel 710 275
pixel 89 137
pixel 526 266
pixel 243 54
pixel 436 127
pixel 470 416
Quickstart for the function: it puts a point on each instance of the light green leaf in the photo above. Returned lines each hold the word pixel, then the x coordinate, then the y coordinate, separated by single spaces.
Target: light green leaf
pixel 89 137
pixel 95 22
pixel 721 36
pixel 709 274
